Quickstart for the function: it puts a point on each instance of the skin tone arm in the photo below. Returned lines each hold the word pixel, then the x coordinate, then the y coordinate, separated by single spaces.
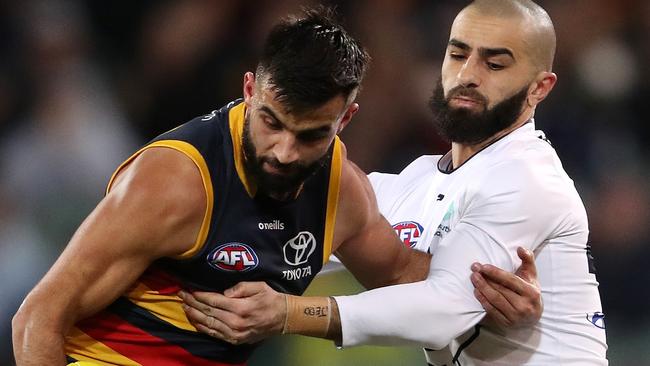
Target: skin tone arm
pixel 111 249
pixel 366 243
pixel 252 311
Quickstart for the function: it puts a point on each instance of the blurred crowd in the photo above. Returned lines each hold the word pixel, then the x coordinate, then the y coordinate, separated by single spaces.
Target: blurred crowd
pixel 84 83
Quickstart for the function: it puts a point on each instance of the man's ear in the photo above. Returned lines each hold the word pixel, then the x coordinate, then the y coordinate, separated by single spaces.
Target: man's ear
pixel 248 88
pixel 543 85
pixel 347 117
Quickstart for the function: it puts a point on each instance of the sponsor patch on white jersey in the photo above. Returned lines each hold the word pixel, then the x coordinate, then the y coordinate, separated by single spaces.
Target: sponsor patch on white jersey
pixel 409 232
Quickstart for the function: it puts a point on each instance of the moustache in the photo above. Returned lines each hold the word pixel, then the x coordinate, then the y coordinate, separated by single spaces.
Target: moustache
pixel 461 91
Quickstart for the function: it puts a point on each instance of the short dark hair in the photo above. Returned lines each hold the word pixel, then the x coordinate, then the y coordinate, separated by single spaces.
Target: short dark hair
pixel 311 59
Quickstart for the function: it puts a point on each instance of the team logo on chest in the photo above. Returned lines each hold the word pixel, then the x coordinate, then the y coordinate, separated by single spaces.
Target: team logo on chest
pixel 409 232
pixel 233 257
pixel 298 249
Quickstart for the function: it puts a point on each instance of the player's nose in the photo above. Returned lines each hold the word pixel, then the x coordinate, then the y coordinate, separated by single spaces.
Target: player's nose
pixel 286 149
pixel 469 74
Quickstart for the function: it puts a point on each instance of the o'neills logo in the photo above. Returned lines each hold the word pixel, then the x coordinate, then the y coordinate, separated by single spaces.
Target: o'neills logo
pixel 275 225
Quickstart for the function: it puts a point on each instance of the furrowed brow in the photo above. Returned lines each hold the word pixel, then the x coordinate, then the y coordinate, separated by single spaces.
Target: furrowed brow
pixel 318 130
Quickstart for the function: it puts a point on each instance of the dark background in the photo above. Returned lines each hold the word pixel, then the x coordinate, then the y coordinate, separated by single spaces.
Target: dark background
pixel 84 83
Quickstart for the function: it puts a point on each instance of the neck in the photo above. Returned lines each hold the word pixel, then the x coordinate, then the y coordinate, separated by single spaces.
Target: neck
pixel 460 152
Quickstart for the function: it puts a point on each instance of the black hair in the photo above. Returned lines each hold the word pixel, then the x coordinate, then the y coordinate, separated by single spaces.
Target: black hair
pixel 310 59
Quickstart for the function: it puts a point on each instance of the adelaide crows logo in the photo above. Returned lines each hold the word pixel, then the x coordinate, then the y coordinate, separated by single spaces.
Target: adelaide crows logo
pixel 233 257
pixel 409 232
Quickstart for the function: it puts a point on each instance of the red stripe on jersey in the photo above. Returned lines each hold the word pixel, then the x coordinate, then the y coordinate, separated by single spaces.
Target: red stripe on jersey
pixel 138 345
pixel 161 281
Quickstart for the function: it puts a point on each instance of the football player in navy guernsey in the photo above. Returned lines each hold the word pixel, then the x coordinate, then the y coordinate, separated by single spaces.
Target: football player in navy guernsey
pixel 259 190
pixel 500 186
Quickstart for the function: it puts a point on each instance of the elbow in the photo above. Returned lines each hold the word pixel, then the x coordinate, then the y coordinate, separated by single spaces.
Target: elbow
pixel 18 324
pixel 29 317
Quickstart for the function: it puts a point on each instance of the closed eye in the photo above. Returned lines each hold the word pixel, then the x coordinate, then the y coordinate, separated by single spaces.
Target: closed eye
pixel 494 66
pixel 313 136
pixel 272 124
pixel 457 56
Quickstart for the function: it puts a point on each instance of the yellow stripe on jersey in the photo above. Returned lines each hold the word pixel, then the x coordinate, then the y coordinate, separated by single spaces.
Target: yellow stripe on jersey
pixel 191 152
pixel 332 199
pixel 236 119
pixel 82 347
pixel 165 307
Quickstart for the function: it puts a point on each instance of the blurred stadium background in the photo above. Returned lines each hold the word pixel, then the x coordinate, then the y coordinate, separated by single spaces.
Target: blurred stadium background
pixel 83 83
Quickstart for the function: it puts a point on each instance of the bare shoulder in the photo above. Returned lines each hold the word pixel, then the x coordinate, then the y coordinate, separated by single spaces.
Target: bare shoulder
pixel 165 189
pixel 154 209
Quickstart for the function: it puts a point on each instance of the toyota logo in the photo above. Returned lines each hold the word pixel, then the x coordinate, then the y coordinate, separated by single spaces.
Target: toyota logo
pixel 298 249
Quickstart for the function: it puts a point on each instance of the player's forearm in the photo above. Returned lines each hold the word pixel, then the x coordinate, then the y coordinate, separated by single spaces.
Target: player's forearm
pixel 426 313
pixel 314 317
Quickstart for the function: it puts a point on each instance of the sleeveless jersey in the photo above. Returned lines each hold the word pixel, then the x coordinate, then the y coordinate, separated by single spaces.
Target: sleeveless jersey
pixel 244 237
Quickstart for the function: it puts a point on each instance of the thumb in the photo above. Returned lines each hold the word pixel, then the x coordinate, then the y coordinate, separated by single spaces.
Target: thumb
pixel 244 289
pixel 527 270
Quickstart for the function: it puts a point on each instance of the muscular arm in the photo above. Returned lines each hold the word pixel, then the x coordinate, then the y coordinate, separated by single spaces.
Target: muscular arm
pixel 155 209
pixel 366 243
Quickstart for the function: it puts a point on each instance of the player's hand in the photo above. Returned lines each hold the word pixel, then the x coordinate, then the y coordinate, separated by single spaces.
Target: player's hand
pixel 245 313
pixel 511 300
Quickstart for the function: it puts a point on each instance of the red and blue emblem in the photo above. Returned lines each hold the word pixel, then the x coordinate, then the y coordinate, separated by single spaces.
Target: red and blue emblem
pixel 409 232
pixel 233 257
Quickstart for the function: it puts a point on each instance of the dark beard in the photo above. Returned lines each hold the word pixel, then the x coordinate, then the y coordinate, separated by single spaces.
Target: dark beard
pixel 281 187
pixel 464 126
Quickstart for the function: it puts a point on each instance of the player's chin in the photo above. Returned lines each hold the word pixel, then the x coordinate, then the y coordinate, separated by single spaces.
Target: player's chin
pixel 280 183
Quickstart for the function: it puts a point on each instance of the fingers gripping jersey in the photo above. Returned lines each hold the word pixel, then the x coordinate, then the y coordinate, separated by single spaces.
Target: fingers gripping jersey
pixel 244 237
pixel 513 193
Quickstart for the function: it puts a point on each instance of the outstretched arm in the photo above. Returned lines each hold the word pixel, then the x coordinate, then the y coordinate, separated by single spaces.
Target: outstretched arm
pixel 253 311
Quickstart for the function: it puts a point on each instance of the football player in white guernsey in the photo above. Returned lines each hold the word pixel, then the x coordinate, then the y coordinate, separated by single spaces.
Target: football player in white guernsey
pixel 502 185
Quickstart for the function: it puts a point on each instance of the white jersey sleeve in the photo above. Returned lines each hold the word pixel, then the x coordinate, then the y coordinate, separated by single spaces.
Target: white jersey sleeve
pixel 513 204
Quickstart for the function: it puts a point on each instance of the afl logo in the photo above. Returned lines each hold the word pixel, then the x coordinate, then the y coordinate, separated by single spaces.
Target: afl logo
pixel 409 232
pixel 597 319
pixel 298 249
pixel 233 257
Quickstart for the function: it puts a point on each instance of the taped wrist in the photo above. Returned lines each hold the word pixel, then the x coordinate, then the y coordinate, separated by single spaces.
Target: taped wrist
pixel 310 316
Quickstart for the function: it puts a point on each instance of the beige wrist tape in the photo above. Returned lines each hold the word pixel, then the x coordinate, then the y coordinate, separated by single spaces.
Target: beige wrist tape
pixel 309 316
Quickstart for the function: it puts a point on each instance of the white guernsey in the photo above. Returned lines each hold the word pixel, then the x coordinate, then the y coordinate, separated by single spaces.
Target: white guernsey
pixel 512 193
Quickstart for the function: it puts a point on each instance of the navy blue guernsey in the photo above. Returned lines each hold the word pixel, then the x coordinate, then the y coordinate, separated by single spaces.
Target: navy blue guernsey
pixel 244 237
